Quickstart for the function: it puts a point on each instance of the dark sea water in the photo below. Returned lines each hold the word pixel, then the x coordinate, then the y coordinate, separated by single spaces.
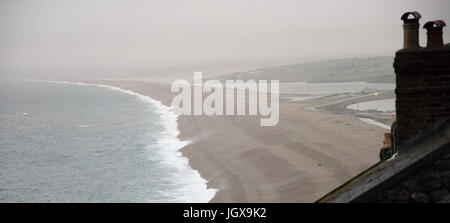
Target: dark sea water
pixel 64 142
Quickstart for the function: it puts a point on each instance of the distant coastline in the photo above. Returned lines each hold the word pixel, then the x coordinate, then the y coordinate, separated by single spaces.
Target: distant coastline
pixel 313 150
pixel 243 161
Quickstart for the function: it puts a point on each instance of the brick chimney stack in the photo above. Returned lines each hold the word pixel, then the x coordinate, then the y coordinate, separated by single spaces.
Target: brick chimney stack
pixel 411 29
pixel 422 78
pixel 434 33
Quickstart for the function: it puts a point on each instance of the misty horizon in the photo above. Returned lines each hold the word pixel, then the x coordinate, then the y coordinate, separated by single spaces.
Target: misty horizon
pixel 215 101
pixel 121 38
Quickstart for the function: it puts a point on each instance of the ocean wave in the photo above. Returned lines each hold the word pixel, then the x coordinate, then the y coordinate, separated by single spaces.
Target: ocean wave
pixel 191 187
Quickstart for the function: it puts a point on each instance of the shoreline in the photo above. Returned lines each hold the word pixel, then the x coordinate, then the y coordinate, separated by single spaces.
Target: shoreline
pixel 170 122
pixel 306 155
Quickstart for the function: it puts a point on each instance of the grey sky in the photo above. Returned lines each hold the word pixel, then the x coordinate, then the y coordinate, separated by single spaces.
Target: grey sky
pixel 97 36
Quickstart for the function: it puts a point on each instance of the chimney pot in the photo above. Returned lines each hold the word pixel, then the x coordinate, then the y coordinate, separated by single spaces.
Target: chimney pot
pixel 411 29
pixel 434 33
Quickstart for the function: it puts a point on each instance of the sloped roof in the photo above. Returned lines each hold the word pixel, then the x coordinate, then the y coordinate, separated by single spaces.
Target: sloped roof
pixel 383 174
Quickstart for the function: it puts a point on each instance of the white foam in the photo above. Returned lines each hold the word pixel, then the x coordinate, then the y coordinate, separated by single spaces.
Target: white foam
pixel 192 187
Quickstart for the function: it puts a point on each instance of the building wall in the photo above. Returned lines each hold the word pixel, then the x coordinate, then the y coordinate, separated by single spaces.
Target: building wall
pixel 422 90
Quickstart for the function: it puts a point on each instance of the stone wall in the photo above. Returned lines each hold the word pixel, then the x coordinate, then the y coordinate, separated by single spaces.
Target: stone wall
pixel 422 90
pixel 429 183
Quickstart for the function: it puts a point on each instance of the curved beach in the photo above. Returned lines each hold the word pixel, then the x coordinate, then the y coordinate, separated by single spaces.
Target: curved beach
pixel 306 155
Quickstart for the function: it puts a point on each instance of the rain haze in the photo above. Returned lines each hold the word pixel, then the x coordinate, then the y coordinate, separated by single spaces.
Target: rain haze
pixel 110 37
pixel 227 101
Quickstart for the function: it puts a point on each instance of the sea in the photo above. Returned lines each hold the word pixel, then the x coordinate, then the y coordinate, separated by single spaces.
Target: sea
pixel 73 142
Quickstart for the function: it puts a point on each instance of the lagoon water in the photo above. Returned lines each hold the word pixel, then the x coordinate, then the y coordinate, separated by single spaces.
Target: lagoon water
pixel 385 105
pixel 306 88
pixel 84 143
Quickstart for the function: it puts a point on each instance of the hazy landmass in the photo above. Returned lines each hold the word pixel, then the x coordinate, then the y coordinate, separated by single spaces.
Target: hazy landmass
pixel 296 69
pixel 370 69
